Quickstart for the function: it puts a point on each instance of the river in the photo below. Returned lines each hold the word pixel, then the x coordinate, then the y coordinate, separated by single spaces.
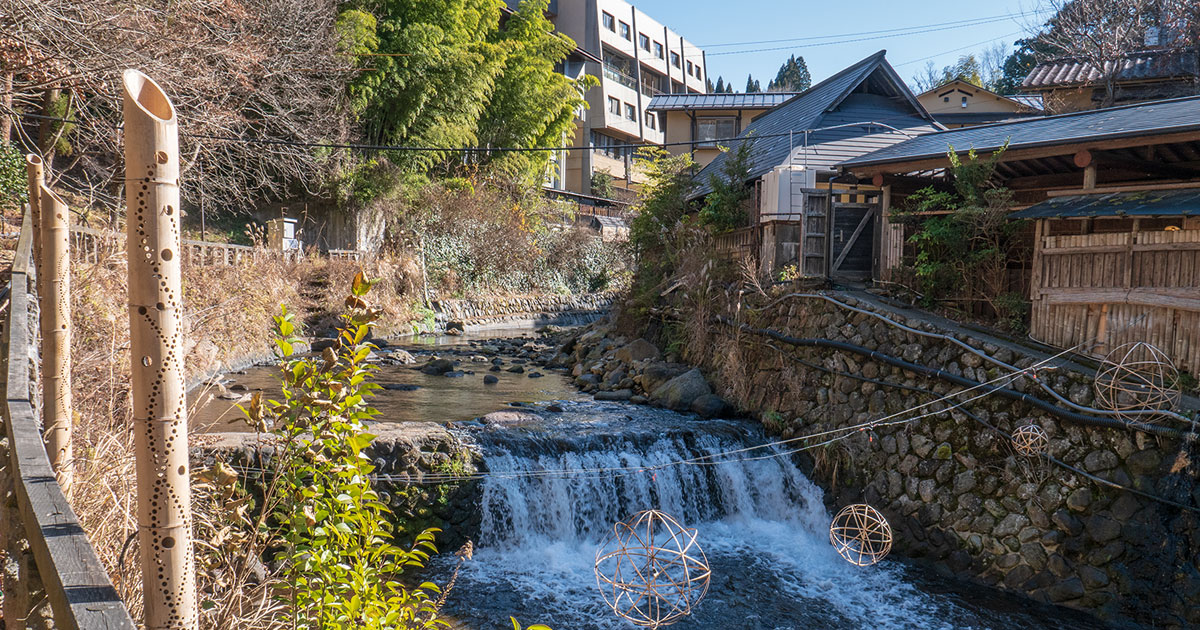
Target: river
pixel 760 521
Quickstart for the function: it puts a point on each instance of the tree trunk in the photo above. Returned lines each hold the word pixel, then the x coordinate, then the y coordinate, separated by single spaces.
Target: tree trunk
pixel 46 135
pixel 6 102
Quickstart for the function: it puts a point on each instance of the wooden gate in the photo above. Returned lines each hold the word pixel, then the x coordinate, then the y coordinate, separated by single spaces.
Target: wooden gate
pixel 852 240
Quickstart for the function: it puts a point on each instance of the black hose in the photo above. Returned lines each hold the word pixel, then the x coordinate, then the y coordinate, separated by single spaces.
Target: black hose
pixel 1050 408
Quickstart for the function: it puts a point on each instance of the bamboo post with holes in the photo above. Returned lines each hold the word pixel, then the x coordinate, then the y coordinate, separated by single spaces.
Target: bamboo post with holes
pixel 54 294
pixel 36 177
pixel 156 353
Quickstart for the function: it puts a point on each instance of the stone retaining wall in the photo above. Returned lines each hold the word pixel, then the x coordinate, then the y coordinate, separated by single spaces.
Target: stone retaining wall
pixel 541 308
pixel 953 489
pixel 408 449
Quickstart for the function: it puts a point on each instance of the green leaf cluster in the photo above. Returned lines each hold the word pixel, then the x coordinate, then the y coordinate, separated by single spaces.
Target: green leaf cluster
pixel 963 237
pixel 725 207
pixel 446 74
pixel 14 188
pixel 793 76
pixel 342 569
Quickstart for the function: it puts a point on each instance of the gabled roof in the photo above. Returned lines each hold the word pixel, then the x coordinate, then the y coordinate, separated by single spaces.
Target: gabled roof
pixel 804 111
pixel 1156 203
pixel 754 100
pixel 1138 66
pixel 1024 103
pixel 1143 119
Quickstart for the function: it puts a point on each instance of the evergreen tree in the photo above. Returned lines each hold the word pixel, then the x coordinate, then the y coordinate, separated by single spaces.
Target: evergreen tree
pixel 793 76
pixel 720 85
pixel 752 85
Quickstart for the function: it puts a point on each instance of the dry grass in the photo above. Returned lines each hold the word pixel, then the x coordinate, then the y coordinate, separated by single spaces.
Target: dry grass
pixel 227 316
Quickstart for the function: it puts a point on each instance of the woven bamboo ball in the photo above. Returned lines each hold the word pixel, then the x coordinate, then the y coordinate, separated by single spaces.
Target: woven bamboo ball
pixel 860 534
pixel 651 571
pixel 1030 440
pixel 1137 377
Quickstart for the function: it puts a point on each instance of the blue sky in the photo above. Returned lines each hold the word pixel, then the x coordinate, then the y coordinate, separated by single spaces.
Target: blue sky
pixel 709 22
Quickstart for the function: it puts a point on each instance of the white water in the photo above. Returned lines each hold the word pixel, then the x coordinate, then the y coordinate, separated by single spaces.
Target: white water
pixel 761 523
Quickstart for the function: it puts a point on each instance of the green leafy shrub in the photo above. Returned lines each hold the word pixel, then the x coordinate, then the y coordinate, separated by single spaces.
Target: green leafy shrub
pixel 725 207
pixel 14 188
pixel 341 568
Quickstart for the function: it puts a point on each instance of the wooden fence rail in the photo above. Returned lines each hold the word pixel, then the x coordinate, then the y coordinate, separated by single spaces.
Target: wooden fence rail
pixel 93 245
pixel 65 567
pixel 737 244
pixel 1118 288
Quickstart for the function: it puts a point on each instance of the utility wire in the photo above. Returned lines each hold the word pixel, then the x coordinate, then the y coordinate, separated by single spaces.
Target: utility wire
pixel 966 22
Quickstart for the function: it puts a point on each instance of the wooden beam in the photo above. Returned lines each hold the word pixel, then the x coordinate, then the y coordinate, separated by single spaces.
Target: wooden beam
pixel 1182 299
pixel 1122 189
pixel 1089 177
pixel 1083 158
pixel 1014 154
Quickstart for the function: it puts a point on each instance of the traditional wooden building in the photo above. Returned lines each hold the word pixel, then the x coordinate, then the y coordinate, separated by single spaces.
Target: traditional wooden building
pixel 803 213
pixel 960 104
pixel 1114 198
pixel 1069 84
pixel 694 122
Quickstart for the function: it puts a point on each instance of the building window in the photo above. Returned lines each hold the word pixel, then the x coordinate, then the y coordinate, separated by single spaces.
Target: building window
pixel 643 41
pixel 610 146
pixel 630 112
pixel 689 68
pixel 658 50
pixel 675 59
pixel 625 31
pixel 699 72
pixel 964 101
pixel 709 130
pixel 614 105
pixel 652 120
pixel 609 22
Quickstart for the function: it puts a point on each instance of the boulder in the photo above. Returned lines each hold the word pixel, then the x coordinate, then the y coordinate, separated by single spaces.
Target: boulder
pixel 489 379
pixel 637 350
pixel 401 387
pixel 438 366
pixel 509 417
pixel 708 406
pixel 680 392
pixel 618 395
pixel 655 375
pixel 402 356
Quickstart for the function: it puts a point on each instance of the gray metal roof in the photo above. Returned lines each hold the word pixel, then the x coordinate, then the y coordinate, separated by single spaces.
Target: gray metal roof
pixel 769 132
pixel 1143 119
pixel 1149 203
pixel 1142 65
pixel 756 100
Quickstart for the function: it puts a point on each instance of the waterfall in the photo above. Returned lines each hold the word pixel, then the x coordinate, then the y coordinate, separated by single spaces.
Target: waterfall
pixel 760 521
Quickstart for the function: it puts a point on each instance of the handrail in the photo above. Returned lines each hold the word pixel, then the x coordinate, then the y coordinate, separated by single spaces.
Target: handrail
pixel 79 590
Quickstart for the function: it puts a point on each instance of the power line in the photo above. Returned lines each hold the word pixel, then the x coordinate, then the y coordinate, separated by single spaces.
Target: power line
pixel 946 52
pixel 385 147
pixel 967 22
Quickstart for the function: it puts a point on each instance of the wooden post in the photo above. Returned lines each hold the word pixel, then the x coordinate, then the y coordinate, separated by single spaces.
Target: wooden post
pixel 156 353
pixel 55 297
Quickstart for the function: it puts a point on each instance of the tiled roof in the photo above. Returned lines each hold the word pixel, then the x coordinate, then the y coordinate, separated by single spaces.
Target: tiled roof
pixel 1146 65
pixel 1156 117
pixel 756 100
pixel 1159 203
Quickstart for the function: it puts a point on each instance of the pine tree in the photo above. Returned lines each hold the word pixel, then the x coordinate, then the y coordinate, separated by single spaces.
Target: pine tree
pixel 793 76
pixel 720 85
pixel 752 85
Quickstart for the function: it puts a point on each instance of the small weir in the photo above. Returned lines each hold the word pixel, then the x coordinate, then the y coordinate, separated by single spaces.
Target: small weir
pixel 761 522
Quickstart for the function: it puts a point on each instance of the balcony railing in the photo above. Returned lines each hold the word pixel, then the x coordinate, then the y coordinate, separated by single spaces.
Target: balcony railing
pixel 615 74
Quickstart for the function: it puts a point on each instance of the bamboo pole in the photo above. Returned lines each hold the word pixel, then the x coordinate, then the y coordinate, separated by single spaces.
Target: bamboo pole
pixel 36 177
pixel 156 353
pixel 55 297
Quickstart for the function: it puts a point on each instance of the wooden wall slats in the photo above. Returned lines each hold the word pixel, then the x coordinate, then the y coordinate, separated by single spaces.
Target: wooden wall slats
pixel 1149 280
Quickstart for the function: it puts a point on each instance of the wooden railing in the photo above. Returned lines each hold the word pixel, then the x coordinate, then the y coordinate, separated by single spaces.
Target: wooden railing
pixel 64 570
pixel 93 245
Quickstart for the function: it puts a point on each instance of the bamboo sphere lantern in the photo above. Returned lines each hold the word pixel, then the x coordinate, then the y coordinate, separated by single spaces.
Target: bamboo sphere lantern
pixel 1030 440
pixel 651 571
pixel 1137 377
pixel 860 534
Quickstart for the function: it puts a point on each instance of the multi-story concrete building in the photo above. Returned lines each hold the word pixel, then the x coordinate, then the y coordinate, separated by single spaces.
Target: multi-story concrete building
pixel 639 58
